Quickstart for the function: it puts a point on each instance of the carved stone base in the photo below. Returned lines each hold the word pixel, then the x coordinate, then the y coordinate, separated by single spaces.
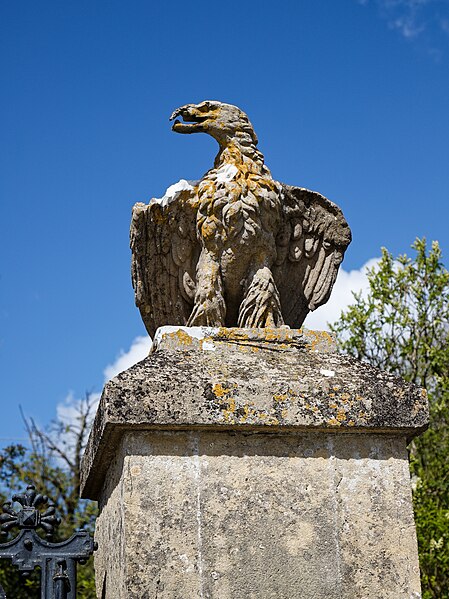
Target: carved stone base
pixel 235 464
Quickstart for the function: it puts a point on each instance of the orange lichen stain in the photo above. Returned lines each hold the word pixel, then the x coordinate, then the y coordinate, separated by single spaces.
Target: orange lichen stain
pixel 319 337
pixel 247 412
pixel 271 335
pixel 351 423
pixel 230 334
pixel 272 420
pixel 220 390
pixel 181 336
pixel 228 414
pixel 359 398
pixel 280 397
pixel 243 349
pixel 203 341
pixel 333 422
pixel 331 394
pixel 333 406
pixel 341 415
pixel 336 387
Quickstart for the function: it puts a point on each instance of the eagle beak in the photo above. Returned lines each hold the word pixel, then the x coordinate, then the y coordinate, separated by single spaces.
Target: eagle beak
pixel 193 122
pixel 178 112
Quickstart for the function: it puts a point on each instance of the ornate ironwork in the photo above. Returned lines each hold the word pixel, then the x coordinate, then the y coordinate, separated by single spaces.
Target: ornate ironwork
pixel 28 550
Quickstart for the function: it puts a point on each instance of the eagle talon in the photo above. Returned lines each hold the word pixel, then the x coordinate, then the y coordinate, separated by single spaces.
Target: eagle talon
pixel 207 314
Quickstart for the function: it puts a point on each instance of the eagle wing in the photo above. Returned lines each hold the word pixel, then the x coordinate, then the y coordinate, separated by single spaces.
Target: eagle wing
pixel 165 253
pixel 310 246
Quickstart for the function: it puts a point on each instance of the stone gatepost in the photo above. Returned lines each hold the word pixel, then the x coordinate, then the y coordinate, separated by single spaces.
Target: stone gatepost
pixel 254 464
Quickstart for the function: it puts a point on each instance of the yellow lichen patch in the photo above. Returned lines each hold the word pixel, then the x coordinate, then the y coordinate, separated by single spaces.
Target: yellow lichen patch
pixel 220 389
pixel 180 337
pixel 344 397
pixel 247 411
pixel 280 397
pixel 271 420
pixel 318 338
pixel 207 341
pixel 341 415
pixel 231 334
pixel 229 413
pixel 271 334
pixel 333 422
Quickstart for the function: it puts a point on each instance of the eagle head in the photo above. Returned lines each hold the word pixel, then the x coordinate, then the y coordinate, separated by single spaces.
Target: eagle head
pixel 222 121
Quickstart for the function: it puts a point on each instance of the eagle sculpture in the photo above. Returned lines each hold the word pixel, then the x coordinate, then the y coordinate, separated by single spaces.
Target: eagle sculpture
pixel 236 248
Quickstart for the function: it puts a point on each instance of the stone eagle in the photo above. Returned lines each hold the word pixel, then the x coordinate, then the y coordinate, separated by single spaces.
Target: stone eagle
pixel 236 248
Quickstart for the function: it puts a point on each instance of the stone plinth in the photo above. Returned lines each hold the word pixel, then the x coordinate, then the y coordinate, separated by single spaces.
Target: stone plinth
pixel 261 464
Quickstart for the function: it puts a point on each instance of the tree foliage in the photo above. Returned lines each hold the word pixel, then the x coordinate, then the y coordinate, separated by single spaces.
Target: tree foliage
pixel 402 325
pixel 52 463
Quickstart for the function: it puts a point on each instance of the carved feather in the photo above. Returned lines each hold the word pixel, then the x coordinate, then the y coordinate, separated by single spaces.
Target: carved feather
pixel 165 252
pixel 318 237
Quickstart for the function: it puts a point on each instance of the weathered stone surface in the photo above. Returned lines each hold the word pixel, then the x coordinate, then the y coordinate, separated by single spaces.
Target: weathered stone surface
pixel 236 248
pixel 233 516
pixel 236 464
pixel 275 379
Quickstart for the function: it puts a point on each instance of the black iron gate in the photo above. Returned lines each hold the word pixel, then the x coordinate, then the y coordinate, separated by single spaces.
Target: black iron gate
pixel 28 550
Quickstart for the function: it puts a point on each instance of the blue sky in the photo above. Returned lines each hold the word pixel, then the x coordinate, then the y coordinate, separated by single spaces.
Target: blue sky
pixel 350 98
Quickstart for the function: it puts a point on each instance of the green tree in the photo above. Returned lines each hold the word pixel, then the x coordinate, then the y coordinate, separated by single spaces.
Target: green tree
pixel 52 463
pixel 402 325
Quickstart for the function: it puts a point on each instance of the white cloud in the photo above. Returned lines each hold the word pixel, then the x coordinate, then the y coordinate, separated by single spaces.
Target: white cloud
pixel 68 410
pixel 341 298
pixel 139 350
pixel 405 15
pixel 411 17
pixel 74 418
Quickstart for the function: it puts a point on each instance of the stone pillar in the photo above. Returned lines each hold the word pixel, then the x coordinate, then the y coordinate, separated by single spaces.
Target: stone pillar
pixel 254 464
